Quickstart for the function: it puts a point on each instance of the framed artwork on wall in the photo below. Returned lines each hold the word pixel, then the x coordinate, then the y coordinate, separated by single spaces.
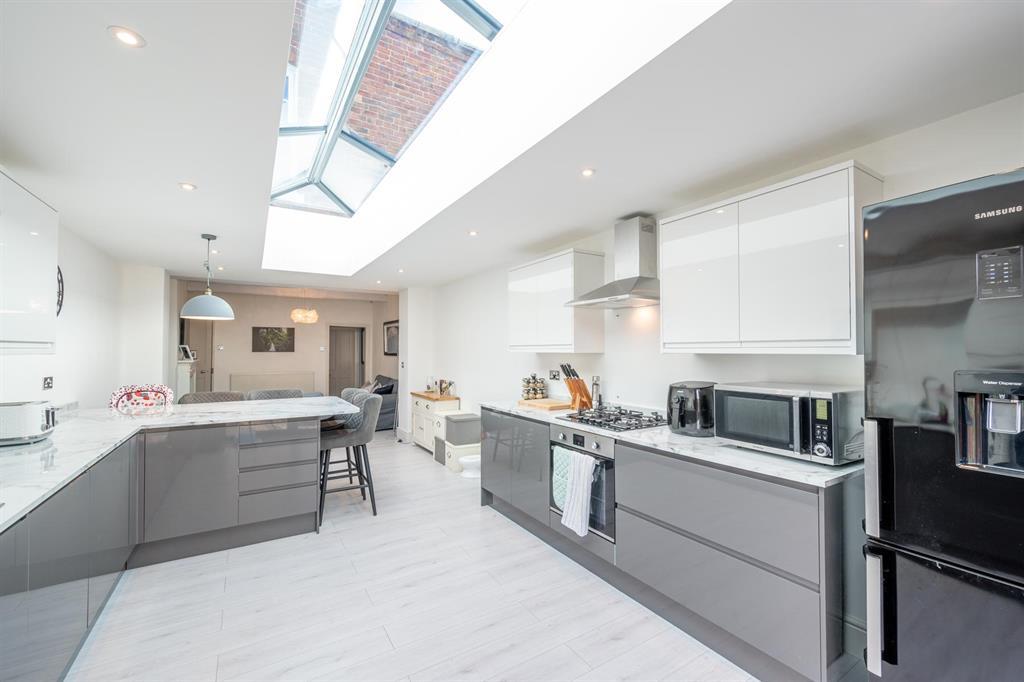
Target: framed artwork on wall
pixel 273 339
pixel 391 337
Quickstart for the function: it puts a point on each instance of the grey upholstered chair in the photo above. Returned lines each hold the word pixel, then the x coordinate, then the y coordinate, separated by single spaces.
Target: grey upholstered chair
pixel 354 437
pixel 273 393
pixel 211 397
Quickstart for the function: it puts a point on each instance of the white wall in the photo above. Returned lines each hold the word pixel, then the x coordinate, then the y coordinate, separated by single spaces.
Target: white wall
pixel 470 325
pixel 142 332
pixel 415 349
pixel 85 366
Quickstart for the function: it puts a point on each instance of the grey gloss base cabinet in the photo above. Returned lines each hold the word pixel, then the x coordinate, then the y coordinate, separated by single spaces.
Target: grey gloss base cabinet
pixel 515 462
pixel 58 566
pixel 759 559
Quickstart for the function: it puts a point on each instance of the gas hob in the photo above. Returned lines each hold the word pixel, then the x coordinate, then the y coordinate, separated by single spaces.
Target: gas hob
pixel 615 418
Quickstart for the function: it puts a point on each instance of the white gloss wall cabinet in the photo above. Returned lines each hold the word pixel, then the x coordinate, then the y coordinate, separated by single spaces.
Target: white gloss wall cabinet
pixel 776 270
pixel 700 279
pixel 28 271
pixel 538 319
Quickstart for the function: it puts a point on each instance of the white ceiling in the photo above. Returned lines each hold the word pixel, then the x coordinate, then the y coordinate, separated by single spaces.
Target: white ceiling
pixel 104 133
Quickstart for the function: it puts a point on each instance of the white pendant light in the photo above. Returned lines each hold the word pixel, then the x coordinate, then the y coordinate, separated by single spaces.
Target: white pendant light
pixel 305 315
pixel 206 306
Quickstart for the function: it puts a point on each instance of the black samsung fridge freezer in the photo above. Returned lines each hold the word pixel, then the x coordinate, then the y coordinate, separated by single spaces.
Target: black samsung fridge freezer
pixel 944 438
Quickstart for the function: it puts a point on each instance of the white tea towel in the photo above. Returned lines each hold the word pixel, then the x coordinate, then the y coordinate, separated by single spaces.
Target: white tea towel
pixel 576 510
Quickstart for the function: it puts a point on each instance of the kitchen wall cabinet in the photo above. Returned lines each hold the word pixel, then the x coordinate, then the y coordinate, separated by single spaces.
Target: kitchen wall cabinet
pixel 28 271
pixel 191 481
pixel 427 407
pixel 538 319
pixel 700 279
pixel 776 270
pixel 515 462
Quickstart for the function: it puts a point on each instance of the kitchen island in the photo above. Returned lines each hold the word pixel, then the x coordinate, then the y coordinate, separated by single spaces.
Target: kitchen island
pixel 754 554
pixel 108 491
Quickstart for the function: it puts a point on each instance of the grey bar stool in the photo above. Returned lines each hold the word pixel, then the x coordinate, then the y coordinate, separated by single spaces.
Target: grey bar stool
pixel 356 432
pixel 211 397
pixel 273 393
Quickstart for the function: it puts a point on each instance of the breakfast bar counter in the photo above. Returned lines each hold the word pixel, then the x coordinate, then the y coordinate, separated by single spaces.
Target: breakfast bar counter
pixel 29 474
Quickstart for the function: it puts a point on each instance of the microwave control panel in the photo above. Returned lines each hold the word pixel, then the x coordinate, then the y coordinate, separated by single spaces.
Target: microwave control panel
pixel 821 427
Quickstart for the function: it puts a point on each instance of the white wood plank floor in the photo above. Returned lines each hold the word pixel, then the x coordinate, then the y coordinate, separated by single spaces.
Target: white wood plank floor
pixel 435 587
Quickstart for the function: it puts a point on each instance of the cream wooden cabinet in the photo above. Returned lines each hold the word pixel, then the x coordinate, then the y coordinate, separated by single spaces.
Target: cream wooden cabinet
pixel 28 271
pixel 776 270
pixel 538 319
pixel 428 410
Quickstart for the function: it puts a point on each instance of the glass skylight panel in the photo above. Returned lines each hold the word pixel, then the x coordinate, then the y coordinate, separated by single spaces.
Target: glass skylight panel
pixel 353 171
pixel 294 156
pixel 322 33
pixel 423 52
pixel 309 198
pixel 363 77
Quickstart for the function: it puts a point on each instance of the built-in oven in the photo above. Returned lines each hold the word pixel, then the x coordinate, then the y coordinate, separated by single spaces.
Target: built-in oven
pixel 815 423
pixel 602 491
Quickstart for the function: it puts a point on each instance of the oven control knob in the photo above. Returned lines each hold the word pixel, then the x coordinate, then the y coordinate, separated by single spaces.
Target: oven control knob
pixel 596 446
pixel 822 450
pixel 561 436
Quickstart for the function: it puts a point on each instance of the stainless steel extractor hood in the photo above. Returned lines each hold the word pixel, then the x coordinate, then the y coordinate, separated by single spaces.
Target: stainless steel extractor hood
pixel 636 269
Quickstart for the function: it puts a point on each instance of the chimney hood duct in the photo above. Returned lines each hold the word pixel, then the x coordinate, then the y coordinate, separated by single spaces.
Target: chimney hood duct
pixel 636 269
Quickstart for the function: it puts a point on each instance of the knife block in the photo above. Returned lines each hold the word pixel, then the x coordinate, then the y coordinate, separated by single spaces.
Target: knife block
pixel 579 393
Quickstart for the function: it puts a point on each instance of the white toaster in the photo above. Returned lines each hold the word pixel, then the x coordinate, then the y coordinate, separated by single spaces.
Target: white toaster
pixel 22 423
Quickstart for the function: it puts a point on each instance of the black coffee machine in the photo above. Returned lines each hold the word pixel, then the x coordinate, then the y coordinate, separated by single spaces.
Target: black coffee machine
pixel 691 408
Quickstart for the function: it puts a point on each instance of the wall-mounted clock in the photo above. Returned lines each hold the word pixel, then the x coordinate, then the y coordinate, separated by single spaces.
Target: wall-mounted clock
pixel 60 290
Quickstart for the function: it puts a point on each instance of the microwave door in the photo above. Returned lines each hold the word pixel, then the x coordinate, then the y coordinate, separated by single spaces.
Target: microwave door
pixel 759 420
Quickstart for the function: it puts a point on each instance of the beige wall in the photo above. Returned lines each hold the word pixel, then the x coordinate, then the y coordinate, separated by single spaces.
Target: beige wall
pixel 232 340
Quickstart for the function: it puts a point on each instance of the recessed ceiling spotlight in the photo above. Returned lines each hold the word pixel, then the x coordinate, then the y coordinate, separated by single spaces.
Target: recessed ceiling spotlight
pixel 221 268
pixel 215 252
pixel 34 234
pixel 473 233
pixel 721 210
pixel 126 36
pixel 400 270
pixel 378 281
pixel 187 186
pixel 587 172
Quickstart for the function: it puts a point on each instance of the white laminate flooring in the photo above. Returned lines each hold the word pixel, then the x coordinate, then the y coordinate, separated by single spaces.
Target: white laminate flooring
pixel 435 587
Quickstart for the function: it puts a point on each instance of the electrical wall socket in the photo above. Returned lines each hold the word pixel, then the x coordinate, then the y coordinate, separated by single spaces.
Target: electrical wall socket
pixel 554 375
pixel 47 383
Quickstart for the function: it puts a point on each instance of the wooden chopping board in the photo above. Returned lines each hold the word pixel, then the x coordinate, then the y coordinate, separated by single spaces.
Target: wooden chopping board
pixel 549 404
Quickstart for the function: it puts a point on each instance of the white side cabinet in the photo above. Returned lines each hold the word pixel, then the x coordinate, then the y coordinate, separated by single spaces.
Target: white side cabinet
pixel 538 319
pixel 28 271
pixel 426 408
pixel 777 270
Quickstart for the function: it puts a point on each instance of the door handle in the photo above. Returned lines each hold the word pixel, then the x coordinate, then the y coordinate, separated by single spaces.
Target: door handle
pixel 875 635
pixel 871 487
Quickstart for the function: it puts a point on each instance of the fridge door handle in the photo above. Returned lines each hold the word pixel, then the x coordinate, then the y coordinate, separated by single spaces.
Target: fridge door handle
pixel 875 634
pixel 871 481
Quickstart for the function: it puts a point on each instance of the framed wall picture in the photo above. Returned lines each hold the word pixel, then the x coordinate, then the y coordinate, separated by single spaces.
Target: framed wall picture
pixel 273 339
pixel 391 337
pixel 185 353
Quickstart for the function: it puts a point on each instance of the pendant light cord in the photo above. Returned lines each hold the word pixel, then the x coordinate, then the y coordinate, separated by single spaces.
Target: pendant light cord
pixel 209 290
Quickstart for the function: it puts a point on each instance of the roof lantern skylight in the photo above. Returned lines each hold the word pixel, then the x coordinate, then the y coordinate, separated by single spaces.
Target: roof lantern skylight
pixel 363 77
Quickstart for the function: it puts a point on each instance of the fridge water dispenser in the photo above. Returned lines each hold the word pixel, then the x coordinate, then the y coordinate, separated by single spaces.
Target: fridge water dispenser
pixel 990 429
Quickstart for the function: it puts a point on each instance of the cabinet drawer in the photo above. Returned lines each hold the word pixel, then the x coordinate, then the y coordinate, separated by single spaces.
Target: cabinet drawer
pixel 277 504
pixel 771 613
pixel 276 432
pixel 262 479
pixel 278 453
pixel 592 543
pixel 772 523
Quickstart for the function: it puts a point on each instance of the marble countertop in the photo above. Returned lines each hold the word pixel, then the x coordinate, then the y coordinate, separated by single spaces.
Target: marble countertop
pixel 707 450
pixel 29 474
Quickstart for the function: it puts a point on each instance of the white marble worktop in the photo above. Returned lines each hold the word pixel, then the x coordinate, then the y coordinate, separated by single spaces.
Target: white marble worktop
pixel 708 450
pixel 29 474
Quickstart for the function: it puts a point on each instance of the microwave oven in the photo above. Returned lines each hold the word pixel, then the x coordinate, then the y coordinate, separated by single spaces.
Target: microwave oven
pixel 815 423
